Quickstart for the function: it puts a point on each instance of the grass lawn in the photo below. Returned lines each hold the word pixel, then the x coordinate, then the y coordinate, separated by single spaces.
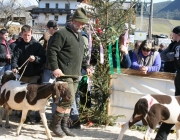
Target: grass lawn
pixel 160 26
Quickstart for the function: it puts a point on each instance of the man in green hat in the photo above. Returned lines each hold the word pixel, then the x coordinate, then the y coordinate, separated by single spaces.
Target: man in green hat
pixel 65 56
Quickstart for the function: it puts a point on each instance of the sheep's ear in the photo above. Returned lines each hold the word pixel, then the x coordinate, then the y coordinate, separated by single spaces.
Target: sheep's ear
pixel 65 92
pixel 31 92
pixel 56 93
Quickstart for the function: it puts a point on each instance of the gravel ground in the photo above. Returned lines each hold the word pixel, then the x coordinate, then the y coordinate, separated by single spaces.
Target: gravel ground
pixel 37 132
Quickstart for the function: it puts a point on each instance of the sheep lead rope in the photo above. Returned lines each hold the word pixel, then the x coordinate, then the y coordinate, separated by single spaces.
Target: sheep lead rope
pixel 26 62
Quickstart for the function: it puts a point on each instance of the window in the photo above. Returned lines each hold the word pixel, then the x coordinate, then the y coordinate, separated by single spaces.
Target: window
pixel 67 5
pixel 56 5
pixel 47 5
pixel 56 18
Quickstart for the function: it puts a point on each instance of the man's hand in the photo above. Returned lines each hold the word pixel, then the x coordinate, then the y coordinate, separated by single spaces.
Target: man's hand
pixel 123 49
pixel 32 58
pixel 15 70
pixel 88 71
pixel 8 56
pixel 57 73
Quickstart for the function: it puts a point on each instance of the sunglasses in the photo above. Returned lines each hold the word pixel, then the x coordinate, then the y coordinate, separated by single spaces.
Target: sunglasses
pixel 146 50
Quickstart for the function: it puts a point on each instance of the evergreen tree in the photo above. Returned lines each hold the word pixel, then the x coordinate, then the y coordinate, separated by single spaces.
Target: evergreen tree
pixel 110 18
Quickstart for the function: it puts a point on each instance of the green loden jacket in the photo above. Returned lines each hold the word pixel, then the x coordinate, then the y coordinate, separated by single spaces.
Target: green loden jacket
pixel 66 52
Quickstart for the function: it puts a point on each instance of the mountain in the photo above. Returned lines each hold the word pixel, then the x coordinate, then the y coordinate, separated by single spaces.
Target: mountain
pixel 167 10
pixel 171 6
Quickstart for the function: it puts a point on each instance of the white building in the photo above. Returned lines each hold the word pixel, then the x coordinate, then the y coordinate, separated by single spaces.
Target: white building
pixel 53 10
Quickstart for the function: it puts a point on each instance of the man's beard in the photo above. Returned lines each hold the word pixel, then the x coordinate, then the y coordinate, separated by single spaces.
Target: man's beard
pixel 76 29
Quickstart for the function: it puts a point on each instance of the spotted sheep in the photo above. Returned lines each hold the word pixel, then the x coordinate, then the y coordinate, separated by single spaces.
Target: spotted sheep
pixel 152 110
pixel 22 96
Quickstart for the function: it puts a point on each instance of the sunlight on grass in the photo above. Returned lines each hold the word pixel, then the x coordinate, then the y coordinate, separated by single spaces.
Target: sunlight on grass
pixel 175 22
pixel 159 26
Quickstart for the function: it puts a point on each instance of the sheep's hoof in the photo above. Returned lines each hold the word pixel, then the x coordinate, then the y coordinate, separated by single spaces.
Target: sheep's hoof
pixel 18 134
pixel 7 127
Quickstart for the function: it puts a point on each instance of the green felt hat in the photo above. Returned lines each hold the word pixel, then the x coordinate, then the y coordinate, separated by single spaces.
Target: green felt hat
pixel 80 15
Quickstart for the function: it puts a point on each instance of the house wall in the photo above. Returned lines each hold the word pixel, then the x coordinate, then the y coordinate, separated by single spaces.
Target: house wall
pixel 61 4
pixel 43 19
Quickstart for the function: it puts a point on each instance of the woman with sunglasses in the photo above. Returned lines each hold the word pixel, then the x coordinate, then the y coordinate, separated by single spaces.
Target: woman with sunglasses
pixel 146 58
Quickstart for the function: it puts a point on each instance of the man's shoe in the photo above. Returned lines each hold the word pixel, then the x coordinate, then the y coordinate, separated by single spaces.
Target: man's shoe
pixel 55 126
pixel 28 120
pixel 75 125
pixel 65 128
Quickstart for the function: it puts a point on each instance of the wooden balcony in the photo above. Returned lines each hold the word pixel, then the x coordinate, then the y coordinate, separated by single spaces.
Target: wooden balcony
pixel 51 11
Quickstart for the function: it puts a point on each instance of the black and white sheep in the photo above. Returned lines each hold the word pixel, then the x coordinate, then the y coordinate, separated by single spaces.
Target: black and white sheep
pixel 152 110
pixel 22 96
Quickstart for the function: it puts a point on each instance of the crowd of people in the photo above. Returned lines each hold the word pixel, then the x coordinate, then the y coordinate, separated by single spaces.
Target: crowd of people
pixel 146 56
pixel 64 57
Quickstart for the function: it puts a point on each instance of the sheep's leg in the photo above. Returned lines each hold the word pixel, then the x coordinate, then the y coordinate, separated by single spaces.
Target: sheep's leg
pixel 23 118
pixel 44 120
pixel 148 134
pixel 127 125
pixel 8 110
pixel 177 131
pixel 123 128
pixel 1 115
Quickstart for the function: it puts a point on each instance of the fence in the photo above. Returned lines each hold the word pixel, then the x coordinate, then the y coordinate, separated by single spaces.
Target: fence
pixel 129 86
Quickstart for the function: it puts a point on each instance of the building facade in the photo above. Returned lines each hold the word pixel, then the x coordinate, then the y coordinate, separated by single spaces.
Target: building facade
pixel 53 10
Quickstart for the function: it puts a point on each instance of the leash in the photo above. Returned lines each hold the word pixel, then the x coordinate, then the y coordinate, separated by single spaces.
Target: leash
pixel 26 62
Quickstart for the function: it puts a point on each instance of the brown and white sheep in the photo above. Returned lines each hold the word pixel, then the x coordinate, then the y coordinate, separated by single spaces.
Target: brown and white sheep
pixel 22 96
pixel 152 110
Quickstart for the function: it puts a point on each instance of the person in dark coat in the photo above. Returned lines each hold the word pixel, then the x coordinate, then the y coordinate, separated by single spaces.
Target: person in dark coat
pixel 13 45
pixel 5 52
pixel 65 56
pixel 165 128
pixel 28 48
pixel 167 55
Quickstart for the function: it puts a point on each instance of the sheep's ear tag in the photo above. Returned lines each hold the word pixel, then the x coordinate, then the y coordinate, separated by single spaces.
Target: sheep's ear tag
pixel 60 99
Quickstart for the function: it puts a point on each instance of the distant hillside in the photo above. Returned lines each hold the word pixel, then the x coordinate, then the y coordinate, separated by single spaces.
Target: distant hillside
pixel 167 10
pixel 174 5
pixel 159 6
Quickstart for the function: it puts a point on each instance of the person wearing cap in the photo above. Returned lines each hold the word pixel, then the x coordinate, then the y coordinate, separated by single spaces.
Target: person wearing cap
pixel 167 55
pixel 47 76
pixel 164 129
pixel 74 113
pixel 65 56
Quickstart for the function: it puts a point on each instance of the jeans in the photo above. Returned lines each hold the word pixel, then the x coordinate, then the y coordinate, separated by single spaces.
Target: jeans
pixel 3 69
pixel 74 114
pixel 163 131
pixel 48 77
pixel 165 128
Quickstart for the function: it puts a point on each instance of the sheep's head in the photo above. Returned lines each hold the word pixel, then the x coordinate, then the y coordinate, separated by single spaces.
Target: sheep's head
pixel 7 76
pixel 61 90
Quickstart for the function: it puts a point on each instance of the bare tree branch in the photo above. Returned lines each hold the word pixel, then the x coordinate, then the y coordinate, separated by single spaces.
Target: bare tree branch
pixel 11 10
